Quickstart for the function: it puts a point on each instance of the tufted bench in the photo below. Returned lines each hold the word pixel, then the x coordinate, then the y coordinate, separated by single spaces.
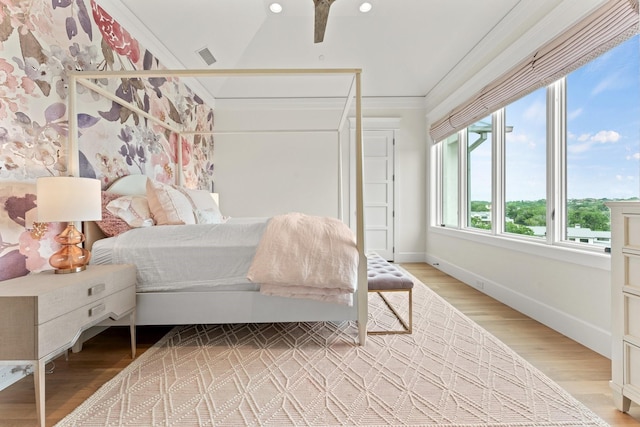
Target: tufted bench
pixel 385 277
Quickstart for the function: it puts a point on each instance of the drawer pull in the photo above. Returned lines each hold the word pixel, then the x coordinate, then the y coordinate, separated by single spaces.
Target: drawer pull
pixel 97 309
pixel 95 290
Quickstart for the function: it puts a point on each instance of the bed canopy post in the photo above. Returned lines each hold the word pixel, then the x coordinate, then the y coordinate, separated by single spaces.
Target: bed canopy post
pixel 179 174
pixel 343 121
pixel 73 154
pixel 363 285
pixel 340 183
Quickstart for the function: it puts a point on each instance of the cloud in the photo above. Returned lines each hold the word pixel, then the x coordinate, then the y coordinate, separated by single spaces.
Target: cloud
pixel 575 113
pixel 605 136
pixel 634 156
pixel 605 84
pixel 587 141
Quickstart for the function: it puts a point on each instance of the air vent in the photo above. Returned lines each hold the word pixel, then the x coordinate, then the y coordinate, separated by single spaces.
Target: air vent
pixel 206 56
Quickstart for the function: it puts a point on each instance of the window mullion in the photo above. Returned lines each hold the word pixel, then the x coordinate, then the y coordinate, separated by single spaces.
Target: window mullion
pixel 556 162
pixel 437 192
pixel 463 187
pixel 497 167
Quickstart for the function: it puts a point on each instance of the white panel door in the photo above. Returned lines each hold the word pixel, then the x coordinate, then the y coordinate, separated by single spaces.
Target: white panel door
pixel 378 191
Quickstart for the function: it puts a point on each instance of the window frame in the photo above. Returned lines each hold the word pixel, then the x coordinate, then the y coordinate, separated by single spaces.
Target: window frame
pixel 555 245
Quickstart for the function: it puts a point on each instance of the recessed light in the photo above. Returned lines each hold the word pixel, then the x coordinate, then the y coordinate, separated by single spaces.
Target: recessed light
pixel 365 7
pixel 275 7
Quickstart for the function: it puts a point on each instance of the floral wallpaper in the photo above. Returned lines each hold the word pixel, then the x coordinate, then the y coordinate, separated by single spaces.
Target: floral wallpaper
pixel 41 41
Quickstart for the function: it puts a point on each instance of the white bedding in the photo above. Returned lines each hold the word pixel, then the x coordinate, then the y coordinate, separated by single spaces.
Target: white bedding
pixel 291 255
pixel 188 257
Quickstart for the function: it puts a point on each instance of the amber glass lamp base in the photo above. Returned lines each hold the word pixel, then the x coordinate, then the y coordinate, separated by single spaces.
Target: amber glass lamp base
pixel 70 258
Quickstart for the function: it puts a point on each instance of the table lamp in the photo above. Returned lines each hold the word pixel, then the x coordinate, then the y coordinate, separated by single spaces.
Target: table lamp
pixel 69 199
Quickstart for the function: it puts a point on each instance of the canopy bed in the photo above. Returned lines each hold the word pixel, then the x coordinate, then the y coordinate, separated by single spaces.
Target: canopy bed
pixel 224 304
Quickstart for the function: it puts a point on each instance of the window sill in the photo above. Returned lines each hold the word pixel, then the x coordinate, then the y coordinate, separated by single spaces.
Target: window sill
pixel 566 252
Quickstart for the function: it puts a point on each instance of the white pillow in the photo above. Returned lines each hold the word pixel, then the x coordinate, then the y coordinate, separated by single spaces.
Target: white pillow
pixel 134 210
pixel 168 206
pixel 206 216
pixel 201 200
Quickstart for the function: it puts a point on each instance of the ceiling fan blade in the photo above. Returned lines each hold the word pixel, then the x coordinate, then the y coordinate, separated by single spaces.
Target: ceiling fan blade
pixel 321 16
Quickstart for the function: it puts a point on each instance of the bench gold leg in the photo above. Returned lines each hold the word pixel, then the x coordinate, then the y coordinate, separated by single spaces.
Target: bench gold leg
pixel 408 328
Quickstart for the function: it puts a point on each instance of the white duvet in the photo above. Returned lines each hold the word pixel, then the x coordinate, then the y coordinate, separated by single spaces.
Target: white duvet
pixel 183 257
pixel 292 255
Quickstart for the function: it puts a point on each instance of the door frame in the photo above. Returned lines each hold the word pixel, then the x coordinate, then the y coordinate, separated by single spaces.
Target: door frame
pixel 372 124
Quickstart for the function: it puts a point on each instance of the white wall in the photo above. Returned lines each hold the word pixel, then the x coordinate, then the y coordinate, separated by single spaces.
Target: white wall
pixel 262 174
pixel 258 176
pixel 568 292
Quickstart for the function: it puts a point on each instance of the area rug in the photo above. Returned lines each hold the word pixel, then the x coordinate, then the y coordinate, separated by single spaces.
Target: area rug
pixel 448 372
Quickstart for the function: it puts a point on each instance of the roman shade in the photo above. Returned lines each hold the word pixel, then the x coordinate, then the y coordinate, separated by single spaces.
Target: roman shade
pixel 611 24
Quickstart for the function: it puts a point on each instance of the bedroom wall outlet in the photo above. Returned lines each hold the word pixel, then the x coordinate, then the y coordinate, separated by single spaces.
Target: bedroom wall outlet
pixel 479 284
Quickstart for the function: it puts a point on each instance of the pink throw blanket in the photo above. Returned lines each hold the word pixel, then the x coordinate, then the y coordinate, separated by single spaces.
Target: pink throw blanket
pixel 304 256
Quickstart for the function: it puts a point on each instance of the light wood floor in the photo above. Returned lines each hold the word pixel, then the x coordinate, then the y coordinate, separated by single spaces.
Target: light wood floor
pixel 582 372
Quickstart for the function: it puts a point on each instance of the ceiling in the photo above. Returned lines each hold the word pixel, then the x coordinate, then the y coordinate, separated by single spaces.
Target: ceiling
pixel 405 48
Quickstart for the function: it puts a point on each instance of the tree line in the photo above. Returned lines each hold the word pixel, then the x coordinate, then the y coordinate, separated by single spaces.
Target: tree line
pixel 585 213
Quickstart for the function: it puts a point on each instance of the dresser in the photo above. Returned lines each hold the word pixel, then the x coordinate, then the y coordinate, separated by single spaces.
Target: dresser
pixel 625 303
pixel 42 315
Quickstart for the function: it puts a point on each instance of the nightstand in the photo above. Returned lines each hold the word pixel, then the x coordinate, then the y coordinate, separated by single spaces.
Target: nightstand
pixel 42 315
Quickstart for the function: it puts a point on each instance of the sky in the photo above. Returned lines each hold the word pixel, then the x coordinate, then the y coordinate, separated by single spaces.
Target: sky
pixel 603 134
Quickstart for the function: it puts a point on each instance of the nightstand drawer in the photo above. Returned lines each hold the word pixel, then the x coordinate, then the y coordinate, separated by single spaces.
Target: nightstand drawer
pixel 632 271
pixel 632 366
pixel 632 320
pixel 93 284
pixel 62 331
pixel 631 231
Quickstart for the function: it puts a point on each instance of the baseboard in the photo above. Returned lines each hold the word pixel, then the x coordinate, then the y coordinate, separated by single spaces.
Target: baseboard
pixel 593 337
pixel 12 374
pixel 409 257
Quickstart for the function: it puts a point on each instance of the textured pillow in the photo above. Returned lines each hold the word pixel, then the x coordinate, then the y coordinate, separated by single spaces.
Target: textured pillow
pixel 111 225
pixel 206 216
pixel 134 210
pixel 168 206
pixel 205 209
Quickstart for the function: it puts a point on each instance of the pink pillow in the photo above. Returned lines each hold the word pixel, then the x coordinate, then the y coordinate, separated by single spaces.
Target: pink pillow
pixel 168 206
pixel 111 225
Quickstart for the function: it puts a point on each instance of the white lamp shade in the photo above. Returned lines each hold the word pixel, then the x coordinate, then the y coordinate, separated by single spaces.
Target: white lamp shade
pixel 67 198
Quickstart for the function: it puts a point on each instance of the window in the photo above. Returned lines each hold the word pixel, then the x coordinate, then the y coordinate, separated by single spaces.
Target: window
pixel 450 179
pixel 479 137
pixel 544 166
pixel 525 167
pixel 603 141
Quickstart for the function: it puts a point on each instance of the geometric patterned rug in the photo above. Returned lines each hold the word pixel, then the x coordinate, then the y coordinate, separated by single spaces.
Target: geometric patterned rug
pixel 448 372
